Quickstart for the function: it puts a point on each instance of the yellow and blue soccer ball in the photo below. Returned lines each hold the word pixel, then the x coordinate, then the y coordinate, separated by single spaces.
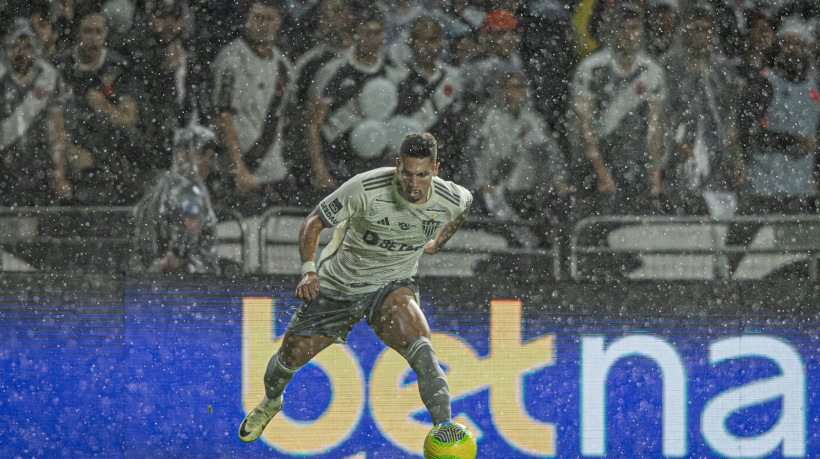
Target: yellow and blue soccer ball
pixel 450 440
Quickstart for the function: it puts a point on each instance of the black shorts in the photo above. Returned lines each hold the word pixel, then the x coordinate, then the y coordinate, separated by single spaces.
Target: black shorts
pixel 334 314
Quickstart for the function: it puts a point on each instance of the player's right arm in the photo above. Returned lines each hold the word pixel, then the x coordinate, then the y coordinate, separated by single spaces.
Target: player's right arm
pixel 434 245
pixel 308 243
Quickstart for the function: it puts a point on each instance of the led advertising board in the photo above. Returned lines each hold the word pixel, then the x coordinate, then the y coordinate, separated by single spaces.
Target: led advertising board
pixel 148 368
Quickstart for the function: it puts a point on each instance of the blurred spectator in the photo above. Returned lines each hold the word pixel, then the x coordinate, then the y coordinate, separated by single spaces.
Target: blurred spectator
pixel 705 156
pixel 616 110
pixel 759 49
pixel 173 92
pixel 499 43
pixel 252 89
pixel 615 126
pixel 298 25
pixel 65 21
pixel 547 55
pixel 32 140
pixel 103 115
pixel 781 110
pixel 780 115
pixel 398 15
pixel 519 170
pixel 215 24
pixel 458 18
pixel 429 93
pixel 351 93
pixel 120 17
pixel 661 23
pixel 731 19
pixel 43 23
pixel 175 221
pixel 329 33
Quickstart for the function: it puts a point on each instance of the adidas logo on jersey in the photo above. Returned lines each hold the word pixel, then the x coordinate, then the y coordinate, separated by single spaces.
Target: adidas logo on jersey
pixel 384 222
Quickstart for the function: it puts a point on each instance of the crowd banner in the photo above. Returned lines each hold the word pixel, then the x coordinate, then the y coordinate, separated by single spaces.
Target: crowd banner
pixel 107 366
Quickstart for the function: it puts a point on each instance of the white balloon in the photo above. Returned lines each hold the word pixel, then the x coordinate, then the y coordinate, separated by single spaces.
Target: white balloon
pixel 397 129
pixel 378 99
pixel 368 139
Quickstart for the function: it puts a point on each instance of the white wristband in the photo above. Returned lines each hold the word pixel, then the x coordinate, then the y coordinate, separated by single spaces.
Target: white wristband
pixel 308 267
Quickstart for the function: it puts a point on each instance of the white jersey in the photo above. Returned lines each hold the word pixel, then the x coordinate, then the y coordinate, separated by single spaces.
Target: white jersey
pixel 379 236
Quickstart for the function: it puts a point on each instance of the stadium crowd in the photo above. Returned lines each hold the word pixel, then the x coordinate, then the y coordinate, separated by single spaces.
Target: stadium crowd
pixel 548 110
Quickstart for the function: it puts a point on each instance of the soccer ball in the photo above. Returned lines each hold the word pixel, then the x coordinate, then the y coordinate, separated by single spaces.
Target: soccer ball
pixel 450 440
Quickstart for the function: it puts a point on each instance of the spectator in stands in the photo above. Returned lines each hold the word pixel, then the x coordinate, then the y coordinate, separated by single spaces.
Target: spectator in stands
pixel 499 43
pixel 460 21
pixel 43 23
pixel 429 93
pixel 758 51
pixel 32 139
pixel 616 131
pixel 705 155
pixel 349 91
pixel 519 169
pixel 547 55
pixel 732 21
pixel 175 221
pixel 102 118
pixel 661 23
pixel 778 125
pixel 329 33
pixel 252 90
pixel 173 93
pixel 780 113
pixel 617 97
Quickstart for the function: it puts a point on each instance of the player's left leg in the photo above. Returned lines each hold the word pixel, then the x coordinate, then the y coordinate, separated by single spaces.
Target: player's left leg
pixel 401 325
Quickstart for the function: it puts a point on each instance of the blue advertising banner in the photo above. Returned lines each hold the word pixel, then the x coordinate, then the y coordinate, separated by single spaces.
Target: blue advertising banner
pixel 153 368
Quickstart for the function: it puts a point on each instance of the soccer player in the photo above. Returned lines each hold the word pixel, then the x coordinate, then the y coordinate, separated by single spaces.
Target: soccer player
pixel 384 220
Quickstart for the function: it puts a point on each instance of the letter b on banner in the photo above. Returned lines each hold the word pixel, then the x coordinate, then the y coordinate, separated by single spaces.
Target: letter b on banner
pixel 338 363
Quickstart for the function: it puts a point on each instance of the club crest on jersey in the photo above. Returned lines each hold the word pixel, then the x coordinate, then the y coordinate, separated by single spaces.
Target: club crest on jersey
pixel 430 227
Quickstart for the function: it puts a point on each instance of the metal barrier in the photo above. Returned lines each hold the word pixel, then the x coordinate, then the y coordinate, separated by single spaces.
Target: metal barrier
pixel 50 229
pixel 807 223
pixel 472 223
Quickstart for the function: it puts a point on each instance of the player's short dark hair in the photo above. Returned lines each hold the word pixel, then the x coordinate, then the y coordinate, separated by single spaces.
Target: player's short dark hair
pixel 419 145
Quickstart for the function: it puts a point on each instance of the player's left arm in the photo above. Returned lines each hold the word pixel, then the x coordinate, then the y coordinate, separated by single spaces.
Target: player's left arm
pixel 434 245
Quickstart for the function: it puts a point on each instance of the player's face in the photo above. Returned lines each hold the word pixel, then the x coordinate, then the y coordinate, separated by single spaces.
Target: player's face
pixel 414 178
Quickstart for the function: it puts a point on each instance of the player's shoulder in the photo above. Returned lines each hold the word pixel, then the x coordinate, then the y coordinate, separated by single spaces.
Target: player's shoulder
pixel 377 179
pixel 452 193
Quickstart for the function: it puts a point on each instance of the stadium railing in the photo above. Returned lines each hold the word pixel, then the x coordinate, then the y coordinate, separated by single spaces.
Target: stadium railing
pixel 690 247
pixel 92 238
pixel 477 242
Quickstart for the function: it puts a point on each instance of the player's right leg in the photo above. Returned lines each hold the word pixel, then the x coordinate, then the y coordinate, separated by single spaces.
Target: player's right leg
pixel 296 351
